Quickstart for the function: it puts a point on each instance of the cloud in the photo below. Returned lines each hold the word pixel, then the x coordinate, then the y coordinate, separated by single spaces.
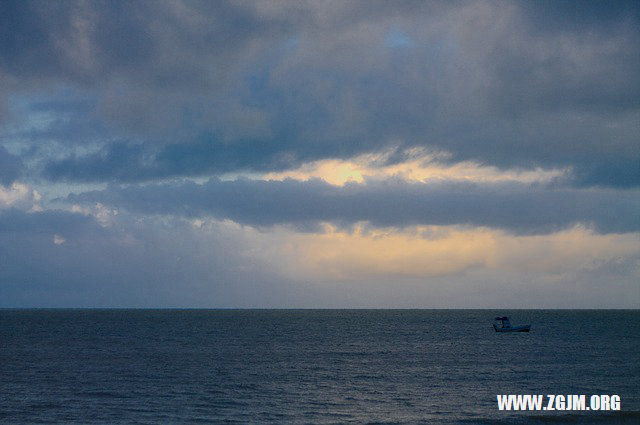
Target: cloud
pixel 193 88
pixel 63 259
pixel 135 55
pixel 418 166
pixel 512 125
pixel 428 252
pixel 515 207
pixel 167 262
pixel 10 167
pixel 19 195
pixel 45 224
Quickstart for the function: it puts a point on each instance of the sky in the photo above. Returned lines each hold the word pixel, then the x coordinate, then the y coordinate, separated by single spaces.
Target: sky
pixel 320 154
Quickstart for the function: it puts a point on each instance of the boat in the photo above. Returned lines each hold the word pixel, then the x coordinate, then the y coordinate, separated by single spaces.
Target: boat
pixel 502 324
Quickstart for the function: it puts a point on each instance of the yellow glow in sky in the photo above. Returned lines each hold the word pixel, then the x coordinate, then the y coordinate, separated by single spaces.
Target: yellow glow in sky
pixel 430 251
pixel 422 166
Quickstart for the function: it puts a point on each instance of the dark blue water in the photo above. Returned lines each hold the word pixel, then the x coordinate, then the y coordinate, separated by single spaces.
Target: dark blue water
pixel 310 366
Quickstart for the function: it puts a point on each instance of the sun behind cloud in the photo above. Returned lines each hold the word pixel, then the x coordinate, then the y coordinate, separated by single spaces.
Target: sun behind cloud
pixel 419 166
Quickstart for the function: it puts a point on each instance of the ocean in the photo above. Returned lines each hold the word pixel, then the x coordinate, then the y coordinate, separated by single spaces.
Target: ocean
pixel 311 366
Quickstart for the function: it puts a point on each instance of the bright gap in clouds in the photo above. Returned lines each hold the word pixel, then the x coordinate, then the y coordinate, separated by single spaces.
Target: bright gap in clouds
pixel 421 166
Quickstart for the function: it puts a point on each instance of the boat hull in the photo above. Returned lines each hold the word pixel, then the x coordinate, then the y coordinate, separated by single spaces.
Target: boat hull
pixel 523 328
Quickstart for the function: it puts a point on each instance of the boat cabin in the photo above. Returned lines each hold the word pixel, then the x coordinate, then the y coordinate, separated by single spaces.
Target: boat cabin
pixel 504 322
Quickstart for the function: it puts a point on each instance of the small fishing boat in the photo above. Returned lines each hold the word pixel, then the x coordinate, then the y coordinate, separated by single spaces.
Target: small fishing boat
pixel 502 324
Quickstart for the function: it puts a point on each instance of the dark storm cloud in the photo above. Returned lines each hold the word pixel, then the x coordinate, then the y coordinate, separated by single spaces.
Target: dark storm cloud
pixel 136 56
pixel 90 41
pixel 202 88
pixel 120 161
pixel 392 203
pixel 130 162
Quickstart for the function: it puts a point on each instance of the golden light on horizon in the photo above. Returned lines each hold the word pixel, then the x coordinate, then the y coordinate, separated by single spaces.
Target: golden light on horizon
pixel 432 251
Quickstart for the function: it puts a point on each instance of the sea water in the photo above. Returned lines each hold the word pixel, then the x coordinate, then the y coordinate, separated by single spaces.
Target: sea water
pixel 311 366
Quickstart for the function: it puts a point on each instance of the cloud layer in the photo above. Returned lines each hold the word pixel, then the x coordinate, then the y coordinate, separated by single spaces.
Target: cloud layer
pixel 192 88
pixel 518 208
pixel 230 153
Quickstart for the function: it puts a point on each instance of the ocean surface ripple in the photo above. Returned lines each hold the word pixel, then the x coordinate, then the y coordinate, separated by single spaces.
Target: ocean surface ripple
pixel 310 366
